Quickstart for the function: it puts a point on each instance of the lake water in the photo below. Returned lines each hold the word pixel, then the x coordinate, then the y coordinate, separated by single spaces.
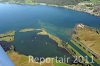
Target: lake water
pixel 30 43
pixel 56 20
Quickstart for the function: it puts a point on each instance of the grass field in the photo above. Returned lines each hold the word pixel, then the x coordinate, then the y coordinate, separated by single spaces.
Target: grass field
pixel 22 60
pixel 89 37
pixel 89 54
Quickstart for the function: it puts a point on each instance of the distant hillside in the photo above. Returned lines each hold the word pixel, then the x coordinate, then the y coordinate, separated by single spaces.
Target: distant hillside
pixel 57 2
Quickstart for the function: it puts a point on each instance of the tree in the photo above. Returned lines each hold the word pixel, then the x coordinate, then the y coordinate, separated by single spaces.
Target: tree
pixel 95 1
pixel 28 1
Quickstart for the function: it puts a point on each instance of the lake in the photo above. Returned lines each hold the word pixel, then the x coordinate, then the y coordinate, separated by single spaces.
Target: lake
pixel 56 20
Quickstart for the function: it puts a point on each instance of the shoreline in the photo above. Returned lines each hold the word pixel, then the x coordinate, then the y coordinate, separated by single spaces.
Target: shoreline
pixel 71 7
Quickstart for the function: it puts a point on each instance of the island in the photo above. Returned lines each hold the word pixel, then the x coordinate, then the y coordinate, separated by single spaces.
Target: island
pixel 9 36
pixel 26 30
